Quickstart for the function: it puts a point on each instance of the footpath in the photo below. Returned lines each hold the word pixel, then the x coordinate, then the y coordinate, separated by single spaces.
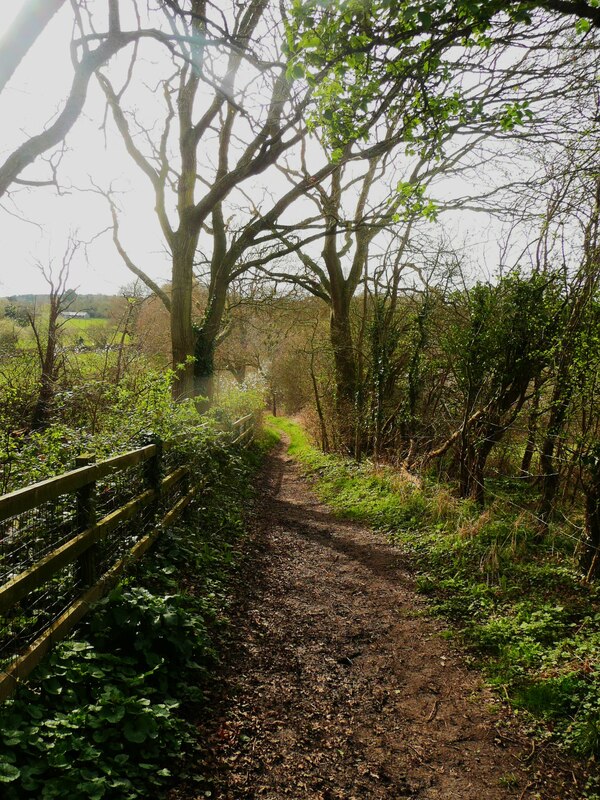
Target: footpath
pixel 338 686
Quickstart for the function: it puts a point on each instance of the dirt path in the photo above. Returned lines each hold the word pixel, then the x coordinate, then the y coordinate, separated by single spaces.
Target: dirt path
pixel 337 685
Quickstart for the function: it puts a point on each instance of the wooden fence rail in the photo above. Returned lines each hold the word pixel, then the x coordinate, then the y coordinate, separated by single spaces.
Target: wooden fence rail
pixel 81 549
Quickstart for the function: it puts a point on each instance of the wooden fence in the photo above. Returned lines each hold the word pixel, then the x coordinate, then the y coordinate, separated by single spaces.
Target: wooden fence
pixel 56 555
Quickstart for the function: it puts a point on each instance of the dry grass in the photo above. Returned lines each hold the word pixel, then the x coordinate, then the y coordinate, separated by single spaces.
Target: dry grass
pixel 473 526
pixel 443 505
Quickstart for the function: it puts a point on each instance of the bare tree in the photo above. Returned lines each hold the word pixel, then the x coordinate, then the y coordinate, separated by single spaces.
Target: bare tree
pixel 208 93
pixel 230 110
pixel 60 300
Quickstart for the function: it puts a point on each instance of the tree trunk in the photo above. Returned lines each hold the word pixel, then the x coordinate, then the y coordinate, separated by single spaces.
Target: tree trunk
pixel 490 436
pixel 41 413
pixel 466 455
pixel 551 477
pixel 345 372
pixel 532 423
pixel 528 454
pixel 182 333
pixel 485 436
pixel 204 369
pixel 415 380
pixel 477 476
pixel 323 426
pixel 205 342
pixel 343 355
pixel 590 558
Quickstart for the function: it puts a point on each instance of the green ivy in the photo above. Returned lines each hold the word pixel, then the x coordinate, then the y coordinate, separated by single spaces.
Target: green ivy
pixel 101 717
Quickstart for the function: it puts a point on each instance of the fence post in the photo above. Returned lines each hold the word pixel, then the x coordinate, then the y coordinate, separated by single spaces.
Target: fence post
pixel 248 426
pixel 85 517
pixel 153 477
pixel 186 488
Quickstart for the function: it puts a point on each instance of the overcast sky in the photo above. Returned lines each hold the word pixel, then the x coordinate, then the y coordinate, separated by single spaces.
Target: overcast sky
pixel 35 224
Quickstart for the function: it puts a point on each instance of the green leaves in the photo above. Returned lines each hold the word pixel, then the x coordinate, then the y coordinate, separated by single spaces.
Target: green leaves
pixel 511 329
pixel 93 738
pixel 414 202
pixel 99 720
pixel 514 114
pixel 8 772
pixel 583 25
pixel 295 71
pixel 401 57
pixel 426 19
pixel 378 51
pixel 112 714
pixel 135 731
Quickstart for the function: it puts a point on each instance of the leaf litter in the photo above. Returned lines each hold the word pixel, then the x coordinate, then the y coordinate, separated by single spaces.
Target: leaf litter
pixel 336 685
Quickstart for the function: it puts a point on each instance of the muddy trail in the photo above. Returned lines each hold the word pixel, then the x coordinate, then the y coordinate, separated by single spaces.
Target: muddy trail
pixel 337 685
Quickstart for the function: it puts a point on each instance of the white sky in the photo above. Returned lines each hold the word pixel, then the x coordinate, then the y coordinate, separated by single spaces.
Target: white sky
pixel 35 223
pixel 33 95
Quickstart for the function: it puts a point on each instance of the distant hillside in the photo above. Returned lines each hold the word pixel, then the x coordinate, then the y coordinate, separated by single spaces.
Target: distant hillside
pixel 96 305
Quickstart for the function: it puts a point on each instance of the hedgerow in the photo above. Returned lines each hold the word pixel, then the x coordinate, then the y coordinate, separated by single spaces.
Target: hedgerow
pixel 105 715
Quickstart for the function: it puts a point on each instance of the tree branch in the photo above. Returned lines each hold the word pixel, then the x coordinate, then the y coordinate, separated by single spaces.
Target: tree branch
pixel 26 153
pixel 29 24
pixel 152 285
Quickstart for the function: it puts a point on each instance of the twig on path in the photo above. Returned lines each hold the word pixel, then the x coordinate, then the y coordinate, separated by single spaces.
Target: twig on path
pixel 526 789
pixel 416 752
pixel 530 756
pixel 434 711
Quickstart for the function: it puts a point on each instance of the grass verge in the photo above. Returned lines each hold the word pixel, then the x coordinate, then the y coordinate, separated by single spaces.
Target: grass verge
pixel 105 715
pixel 520 607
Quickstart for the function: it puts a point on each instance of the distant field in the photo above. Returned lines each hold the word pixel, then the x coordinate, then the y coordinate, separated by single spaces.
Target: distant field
pixel 75 323
pixel 87 332
pixel 74 331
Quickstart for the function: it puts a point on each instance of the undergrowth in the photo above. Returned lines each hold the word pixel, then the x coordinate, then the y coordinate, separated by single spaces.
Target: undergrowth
pixel 125 423
pixel 105 716
pixel 520 606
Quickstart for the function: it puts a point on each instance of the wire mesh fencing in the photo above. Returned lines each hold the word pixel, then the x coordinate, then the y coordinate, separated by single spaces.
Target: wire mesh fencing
pixel 58 538
pixel 26 539
pixel 64 541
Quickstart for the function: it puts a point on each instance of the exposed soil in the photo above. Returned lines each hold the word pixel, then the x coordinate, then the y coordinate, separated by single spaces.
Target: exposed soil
pixel 337 685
